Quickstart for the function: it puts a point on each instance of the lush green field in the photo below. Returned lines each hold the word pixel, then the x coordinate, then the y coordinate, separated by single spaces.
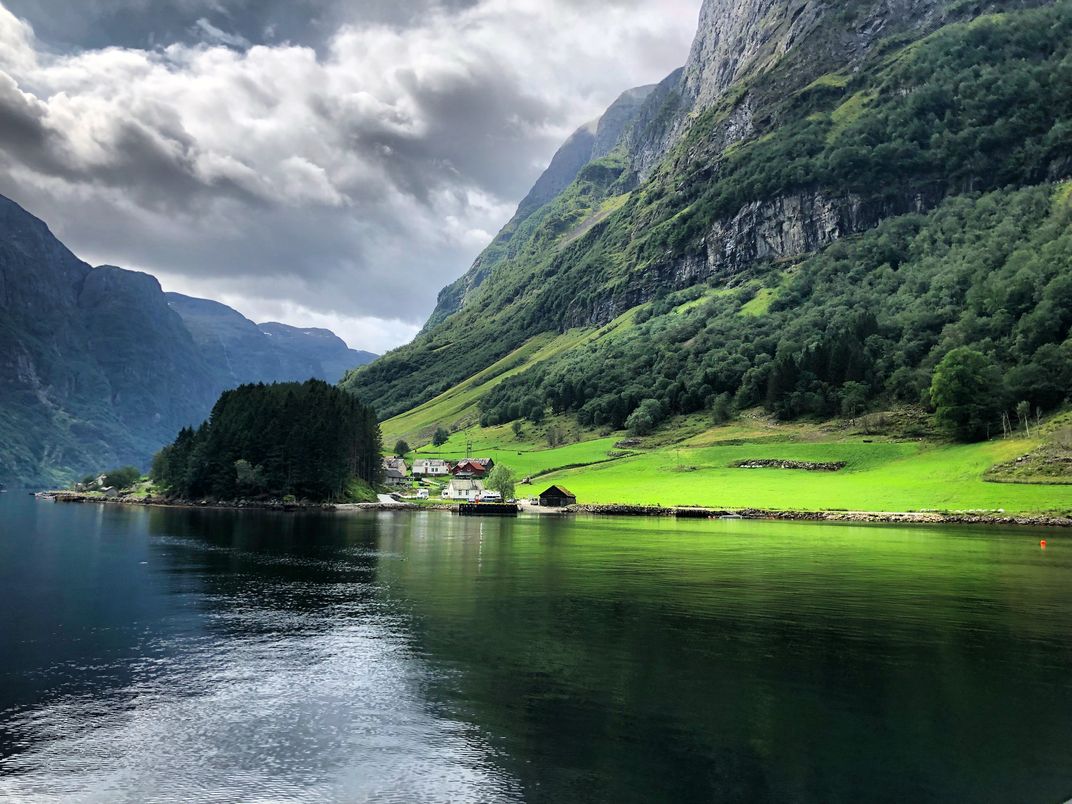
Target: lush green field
pixel 681 467
pixel 887 477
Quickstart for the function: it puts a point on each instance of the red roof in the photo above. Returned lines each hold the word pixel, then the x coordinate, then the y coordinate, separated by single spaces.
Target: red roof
pixel 477 466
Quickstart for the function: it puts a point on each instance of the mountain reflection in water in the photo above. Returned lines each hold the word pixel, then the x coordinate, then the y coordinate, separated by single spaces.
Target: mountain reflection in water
pixel 180 655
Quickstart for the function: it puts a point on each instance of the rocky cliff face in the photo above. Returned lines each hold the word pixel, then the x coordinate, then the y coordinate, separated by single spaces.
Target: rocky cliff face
pixel 785 228
pixel 739 39
pixel 155 373
pixel 98 367
pixel 734 37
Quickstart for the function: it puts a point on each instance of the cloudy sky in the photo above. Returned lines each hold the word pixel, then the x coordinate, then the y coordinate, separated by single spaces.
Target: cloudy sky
pixel 317 162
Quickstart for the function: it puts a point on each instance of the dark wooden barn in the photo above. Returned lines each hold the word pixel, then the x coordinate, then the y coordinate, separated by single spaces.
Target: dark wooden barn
pixel 557 497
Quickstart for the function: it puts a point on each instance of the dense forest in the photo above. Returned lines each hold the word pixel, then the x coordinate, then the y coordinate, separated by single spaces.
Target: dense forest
pixel 941 161
pixel 309 441
pixel 868 317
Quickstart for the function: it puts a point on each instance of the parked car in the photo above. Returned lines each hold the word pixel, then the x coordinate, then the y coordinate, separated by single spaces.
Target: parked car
pixel 490 497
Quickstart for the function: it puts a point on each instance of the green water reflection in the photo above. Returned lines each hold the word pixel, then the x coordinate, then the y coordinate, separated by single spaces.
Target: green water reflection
pixel 647 660
pixel 198 655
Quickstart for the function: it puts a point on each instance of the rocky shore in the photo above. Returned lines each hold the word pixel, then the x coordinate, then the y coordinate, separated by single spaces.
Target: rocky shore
pixel 681 512
pixel 907 518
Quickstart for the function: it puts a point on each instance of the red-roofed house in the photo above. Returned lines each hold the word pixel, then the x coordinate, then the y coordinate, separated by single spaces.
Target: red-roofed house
pixel 473 468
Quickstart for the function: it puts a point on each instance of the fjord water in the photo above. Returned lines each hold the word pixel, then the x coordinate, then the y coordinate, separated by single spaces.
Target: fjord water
pixel 187 655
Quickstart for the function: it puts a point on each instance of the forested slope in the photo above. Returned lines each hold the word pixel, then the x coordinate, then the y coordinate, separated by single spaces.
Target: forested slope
pixel 852 193
pixel 99 367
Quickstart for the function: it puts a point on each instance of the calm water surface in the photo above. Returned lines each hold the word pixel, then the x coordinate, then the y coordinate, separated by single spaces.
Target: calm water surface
pixel 167 655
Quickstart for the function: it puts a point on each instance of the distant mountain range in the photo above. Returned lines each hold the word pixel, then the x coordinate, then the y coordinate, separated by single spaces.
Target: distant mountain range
pixel 100 367
pixel 240 351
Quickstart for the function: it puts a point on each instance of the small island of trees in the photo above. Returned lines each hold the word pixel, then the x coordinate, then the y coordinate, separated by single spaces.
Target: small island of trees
pixel 303 440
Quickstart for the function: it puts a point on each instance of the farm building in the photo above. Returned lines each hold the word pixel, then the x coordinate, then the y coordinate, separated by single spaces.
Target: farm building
pixel 473 467
pixel 464 489
pixel 427 467
pixel 395 462
pixel 394 477
pixel 557 497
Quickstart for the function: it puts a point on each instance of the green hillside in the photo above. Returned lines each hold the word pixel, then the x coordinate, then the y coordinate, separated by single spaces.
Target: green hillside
pixel 813 243
pixel 942 152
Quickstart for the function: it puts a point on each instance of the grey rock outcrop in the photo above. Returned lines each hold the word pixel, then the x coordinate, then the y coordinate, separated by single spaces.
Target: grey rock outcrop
pixel 784 228
pixel 740 38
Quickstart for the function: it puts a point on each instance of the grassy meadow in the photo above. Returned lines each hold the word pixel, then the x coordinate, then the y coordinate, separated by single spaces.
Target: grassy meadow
pixel 691 464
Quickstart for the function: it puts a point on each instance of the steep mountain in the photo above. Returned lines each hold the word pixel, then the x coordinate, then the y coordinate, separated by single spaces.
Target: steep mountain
pixel 99 367
pixel 594 140
pixel 55 398
pixel 233 345
pixel 320 348
pixel 240 351
pixel 823 202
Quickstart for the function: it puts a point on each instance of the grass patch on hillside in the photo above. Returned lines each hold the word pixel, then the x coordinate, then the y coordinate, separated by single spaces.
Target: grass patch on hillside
pixel 848 113
pixel 1062 197
pixel 458 407
pixel 760 304
pixel 526 458
pixel 828 81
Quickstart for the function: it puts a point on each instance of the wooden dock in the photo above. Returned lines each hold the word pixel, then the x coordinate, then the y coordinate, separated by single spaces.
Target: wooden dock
pixel 488 509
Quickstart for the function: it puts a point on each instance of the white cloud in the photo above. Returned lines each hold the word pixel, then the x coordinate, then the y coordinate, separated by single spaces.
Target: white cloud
pixel 348 183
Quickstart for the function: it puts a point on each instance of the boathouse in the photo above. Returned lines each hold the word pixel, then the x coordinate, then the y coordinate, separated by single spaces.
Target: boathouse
pixel 557 497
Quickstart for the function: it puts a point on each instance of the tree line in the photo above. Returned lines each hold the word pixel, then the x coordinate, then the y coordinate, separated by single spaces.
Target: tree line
pixel 307 440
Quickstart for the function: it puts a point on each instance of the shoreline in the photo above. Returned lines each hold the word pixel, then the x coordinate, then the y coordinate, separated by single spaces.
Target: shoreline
pixel 859 517
pixel 622 510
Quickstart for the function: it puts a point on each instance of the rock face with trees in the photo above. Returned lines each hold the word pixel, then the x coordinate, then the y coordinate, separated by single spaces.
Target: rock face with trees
pixel 308 441
pixel 828 200
pixel 98 366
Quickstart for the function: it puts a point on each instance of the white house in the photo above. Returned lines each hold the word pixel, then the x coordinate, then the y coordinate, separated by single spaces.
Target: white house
pixel 428 467
pixel 463 489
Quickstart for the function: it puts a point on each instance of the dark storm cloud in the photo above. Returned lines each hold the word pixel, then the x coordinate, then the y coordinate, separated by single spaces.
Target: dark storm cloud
pixel 315 161
pixel 146 23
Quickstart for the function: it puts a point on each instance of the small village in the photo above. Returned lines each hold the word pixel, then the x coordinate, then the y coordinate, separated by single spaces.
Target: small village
pixel 463 481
